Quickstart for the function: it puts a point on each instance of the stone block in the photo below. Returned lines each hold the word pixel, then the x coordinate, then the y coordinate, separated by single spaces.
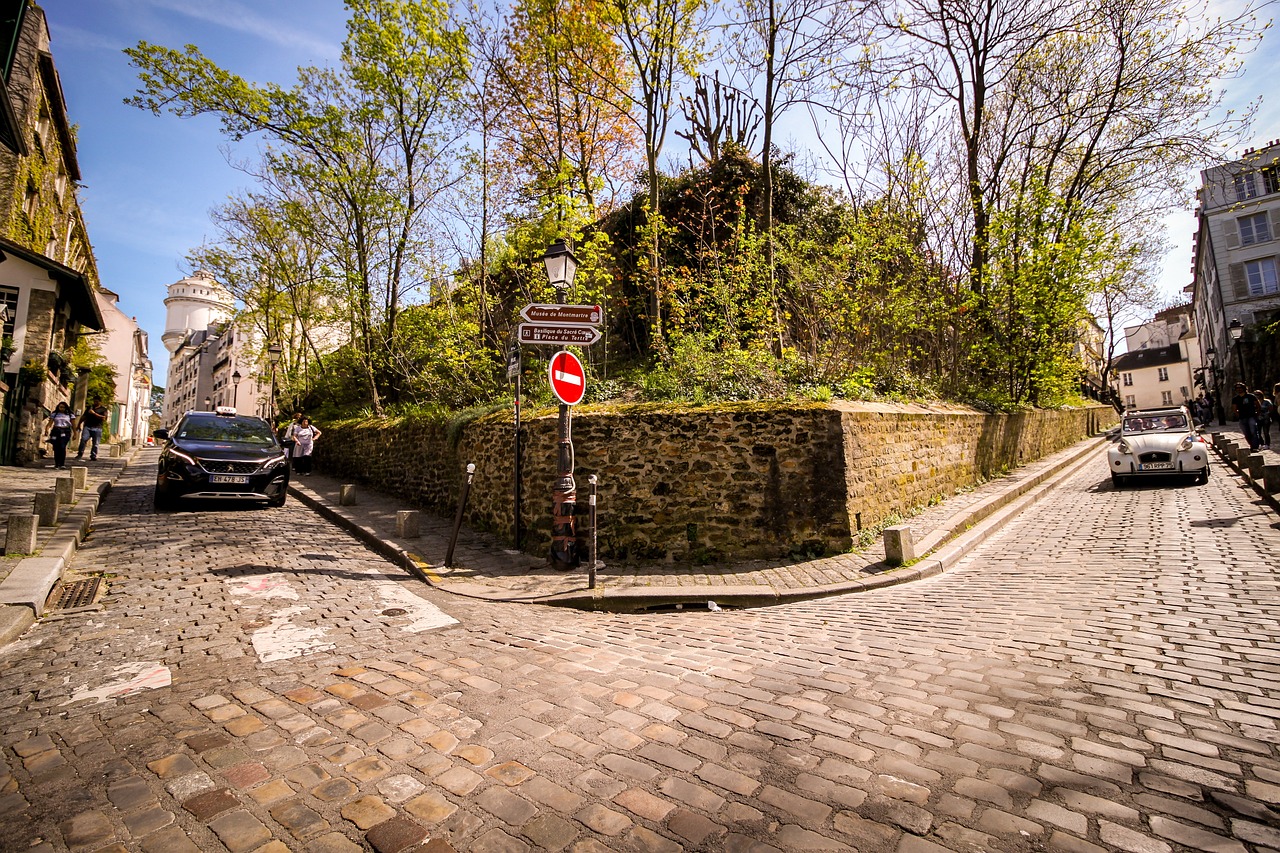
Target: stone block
pixel 30 582
pixel 1255 463
pixel 113 451
pixel 408 524
pixel 64 488
pixel 346 495
pixel 80 477
pixel 899 546
pixel 1270 479
pixel 20 536
pixel 45 505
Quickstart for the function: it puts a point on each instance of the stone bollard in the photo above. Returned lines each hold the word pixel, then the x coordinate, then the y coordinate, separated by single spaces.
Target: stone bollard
pixel 1271 478
pixel 64 488
pixel 20 536
pixel 1255 461
pixel 1242 457
pixel 113 451
pixel 408 524
pixel 80 477
pixel 346 495
pixel 46 507
pixel 899 546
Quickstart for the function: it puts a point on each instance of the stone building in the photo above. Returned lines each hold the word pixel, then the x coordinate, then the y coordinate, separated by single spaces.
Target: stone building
pixel 1161 363
pixel 1236 268
pixel 124 345
pixel 47 270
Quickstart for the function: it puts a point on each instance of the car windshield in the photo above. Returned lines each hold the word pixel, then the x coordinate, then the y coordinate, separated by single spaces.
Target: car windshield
pixel 1155 423
pixel 231 430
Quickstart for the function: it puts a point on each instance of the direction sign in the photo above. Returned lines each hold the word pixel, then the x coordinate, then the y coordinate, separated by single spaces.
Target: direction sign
pixel 563 315
pixel 555 333
pixel 568 379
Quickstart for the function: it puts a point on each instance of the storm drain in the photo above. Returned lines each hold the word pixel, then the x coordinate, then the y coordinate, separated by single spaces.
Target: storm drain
pixel 81 593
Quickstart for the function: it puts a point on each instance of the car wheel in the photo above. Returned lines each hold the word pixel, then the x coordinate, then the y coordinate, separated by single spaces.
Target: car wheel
pixel 1117 481
pixel 1204 475
pixel 163 502
pixel 276 501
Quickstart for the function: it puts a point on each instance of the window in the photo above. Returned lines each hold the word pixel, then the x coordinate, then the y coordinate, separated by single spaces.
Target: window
pixel 1261 276
pixel 1128 379
pixel 1253 229
pixel 1244 186
pixel 1130 401
pixel 1163 373
pixel 1186 395
pixel 1271 179
pixel 1166 398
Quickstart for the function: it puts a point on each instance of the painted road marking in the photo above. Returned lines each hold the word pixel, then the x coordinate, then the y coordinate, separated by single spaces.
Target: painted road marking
pixel 144 675
pixel 282 639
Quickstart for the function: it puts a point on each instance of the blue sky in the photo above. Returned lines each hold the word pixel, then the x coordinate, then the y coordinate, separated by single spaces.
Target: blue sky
pixel 150 182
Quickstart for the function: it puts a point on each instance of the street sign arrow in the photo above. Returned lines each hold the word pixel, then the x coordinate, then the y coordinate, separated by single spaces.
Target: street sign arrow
pixel 554 333
pixel 563 315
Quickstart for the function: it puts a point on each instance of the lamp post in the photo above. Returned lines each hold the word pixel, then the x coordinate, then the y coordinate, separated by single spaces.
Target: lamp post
pixel 561 266
pixel 1236 330
pixel 273 355
pixel 208 404
pixel 235 388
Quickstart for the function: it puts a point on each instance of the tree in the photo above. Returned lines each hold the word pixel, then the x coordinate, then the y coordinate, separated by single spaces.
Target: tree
pixel 365 146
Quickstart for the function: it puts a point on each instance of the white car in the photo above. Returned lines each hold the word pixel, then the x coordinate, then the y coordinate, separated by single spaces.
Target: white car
pixel 1158 442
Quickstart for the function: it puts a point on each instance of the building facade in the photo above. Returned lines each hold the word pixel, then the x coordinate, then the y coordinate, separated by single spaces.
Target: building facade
pixel 1236 271
pixel 1161 363
pixel 124 345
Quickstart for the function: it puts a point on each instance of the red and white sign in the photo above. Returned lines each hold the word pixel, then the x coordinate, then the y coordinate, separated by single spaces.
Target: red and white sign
pixel 568 379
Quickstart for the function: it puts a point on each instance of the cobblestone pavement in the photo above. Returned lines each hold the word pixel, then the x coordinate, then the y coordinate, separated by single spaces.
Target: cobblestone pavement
pixel 1102 675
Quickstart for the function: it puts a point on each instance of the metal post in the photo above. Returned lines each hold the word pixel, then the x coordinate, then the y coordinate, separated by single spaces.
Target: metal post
pixel 591 572
pixel 519 469
pixel 564 499
pixel 457 519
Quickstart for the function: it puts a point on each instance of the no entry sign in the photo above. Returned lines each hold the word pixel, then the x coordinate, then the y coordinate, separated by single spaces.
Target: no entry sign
pixel 568 379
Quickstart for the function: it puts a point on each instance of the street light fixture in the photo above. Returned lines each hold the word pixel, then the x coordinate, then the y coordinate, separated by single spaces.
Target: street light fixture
pixel 208 404
pixel 561 266
pixel 1236 330
pixel 235 387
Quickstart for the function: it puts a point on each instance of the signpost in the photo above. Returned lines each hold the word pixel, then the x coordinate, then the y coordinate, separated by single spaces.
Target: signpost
pixel 557 333
pixel 562 315
pixel 568 379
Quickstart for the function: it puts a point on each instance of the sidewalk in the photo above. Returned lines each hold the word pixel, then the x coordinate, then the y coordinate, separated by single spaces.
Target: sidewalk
pixel 485 568
pixel 25 580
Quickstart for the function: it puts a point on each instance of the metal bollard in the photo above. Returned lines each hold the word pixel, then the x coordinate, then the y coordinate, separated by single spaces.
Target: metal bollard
pixel 457 519
pixel 591 572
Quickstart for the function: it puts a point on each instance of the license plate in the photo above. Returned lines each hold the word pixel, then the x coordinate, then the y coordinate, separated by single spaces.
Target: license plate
pixel 1156 466
pixel 236 479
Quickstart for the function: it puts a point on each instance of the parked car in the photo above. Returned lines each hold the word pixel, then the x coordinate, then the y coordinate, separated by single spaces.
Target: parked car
pixel 221 455
pixel 1157 443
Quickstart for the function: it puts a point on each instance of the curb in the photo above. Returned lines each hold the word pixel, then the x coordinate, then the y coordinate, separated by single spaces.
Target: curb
pixel 1260 489
pixel 24 593
pixel 942 549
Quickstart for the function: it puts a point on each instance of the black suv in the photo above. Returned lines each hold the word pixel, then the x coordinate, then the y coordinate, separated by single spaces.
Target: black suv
pixel 221 455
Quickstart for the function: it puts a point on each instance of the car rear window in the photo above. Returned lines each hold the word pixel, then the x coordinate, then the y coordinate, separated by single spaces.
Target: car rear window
pixel 234 430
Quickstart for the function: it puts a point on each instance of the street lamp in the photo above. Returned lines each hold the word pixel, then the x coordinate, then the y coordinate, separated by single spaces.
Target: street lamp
pixel 561 266
pixel 1236 330
pixel 273 355
pixel 208 404
pixel 235 387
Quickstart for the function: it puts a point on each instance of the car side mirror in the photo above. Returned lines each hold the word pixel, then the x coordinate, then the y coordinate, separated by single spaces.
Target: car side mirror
pixel 161 434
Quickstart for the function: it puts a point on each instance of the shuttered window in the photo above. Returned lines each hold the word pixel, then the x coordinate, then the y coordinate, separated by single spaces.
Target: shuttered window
pixel 1245 186
pixel 1253 229
pixel 1261 276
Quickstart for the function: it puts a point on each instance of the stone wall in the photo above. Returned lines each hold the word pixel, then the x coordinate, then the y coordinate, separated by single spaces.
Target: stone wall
pixel 717 482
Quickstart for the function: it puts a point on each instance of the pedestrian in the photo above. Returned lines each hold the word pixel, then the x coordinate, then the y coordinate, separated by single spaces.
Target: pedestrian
pixel 91 428
pixel 1244 406
pixel 304 437
pixel 58 433
pixel 1266 414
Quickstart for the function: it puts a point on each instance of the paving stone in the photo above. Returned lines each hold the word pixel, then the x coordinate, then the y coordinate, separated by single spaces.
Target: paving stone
pixel 693 827
pixel 240 831
pixel 431 807
pixel 130 794
pixel 604 821
pixel 334 842
pixel 459 780
pixel 171 839
pixel 87 831
pixel 506 806
pixel 395 835
pixel 367 812
pixel 173 766
pixel 550 832
pixel 272 792
pixel 210 803
pixel 1117 837
pixel 334 790
pixel 1194 837
pixel 510 773
pixel 299 819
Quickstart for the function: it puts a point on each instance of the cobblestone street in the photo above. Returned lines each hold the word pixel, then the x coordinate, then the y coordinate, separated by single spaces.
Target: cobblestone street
pixel 1104 674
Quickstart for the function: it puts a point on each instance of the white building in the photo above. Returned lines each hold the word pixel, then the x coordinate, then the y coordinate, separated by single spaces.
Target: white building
pixel 207 352
pixel 1237 253
pixel 124 346
pixel 1161 362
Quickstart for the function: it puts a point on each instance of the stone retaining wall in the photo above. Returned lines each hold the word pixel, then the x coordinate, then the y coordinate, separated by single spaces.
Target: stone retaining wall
pixel 718 482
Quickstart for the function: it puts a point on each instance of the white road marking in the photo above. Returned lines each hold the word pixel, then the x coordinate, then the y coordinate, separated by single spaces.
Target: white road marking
pixel 261 586
pixel 425 615
pixel 282 639
pixel 144 675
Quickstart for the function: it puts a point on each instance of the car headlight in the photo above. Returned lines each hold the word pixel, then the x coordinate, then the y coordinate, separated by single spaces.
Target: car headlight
pixel 1186 443
pixel 190 460
pixel 274 460
pixel 1123 447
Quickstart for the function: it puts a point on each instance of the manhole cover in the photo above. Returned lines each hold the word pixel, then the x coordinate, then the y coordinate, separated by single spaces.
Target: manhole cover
pixel 80 593
pixel 394 611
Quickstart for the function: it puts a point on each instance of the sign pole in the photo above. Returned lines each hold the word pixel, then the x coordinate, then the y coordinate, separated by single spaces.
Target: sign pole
pixel 513 365
pixel 564 498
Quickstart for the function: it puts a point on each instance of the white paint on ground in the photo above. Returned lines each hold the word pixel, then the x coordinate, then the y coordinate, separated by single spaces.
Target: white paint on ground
pixel 261 586
pixel 130 678
pixel 282 639
pixel 422 614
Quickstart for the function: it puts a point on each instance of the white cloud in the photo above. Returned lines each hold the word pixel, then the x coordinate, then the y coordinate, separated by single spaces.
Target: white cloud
pixel 239 18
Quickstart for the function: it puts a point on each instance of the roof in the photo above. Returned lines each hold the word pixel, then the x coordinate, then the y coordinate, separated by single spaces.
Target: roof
pixel 75 288
pixel 1150 357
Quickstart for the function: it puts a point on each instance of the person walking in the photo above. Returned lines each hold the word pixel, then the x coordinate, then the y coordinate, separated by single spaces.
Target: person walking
pixel 1245 408
pixel 91 428
pixel 58 433
pixel 304 436
pixel 1266 414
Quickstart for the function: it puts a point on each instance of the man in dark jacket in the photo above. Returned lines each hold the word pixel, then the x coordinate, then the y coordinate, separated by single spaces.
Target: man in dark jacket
pixel 1245 407
pixel 91 427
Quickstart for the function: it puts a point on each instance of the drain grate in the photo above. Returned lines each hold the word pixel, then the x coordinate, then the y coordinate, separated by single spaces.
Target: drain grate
pixel 80 593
